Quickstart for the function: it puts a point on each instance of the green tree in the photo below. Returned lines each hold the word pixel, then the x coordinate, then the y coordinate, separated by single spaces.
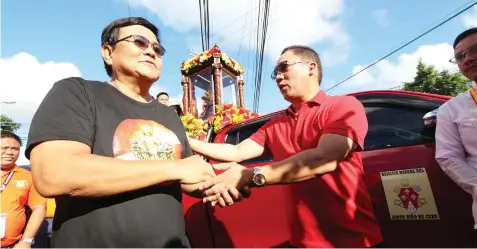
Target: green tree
pixel 8 124
pixel 428 79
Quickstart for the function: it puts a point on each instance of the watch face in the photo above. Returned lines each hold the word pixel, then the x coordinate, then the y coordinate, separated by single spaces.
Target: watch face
pixel 259 179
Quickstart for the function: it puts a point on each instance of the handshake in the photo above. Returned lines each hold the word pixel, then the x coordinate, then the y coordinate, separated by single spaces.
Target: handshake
pixel 232 185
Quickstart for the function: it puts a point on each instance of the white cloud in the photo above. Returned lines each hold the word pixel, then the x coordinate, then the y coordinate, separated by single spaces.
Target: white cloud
pixel 175 100
pixel 388 74
pixel 156 89
pixel 25 81
pixel 303 22
pixel 470 20
pixel 381 16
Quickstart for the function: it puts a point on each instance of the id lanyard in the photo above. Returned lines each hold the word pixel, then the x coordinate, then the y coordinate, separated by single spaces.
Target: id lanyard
pixel 5 183
pixel 473 94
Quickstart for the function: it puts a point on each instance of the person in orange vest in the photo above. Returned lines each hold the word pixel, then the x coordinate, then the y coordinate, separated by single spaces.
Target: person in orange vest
pixel 17 192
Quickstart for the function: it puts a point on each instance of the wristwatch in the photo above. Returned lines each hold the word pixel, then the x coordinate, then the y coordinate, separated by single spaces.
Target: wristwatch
pixel 258 178
pixel 28 240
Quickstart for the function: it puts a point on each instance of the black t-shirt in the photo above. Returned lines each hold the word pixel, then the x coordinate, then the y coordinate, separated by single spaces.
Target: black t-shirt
pixel 114 125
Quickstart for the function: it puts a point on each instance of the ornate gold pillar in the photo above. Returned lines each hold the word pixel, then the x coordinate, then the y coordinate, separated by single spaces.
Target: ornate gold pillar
pixel 240 84
pixel 185 81
pixel 217 77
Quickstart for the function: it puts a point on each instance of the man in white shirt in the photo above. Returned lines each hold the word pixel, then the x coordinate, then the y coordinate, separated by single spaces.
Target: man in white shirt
pixel 456 132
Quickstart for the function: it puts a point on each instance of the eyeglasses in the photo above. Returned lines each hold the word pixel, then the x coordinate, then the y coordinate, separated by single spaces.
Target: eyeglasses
pixel 143 43
pixel 458 58
pixel 282 67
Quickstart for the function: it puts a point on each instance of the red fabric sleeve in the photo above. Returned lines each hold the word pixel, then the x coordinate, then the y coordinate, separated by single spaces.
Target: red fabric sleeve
pixel 347 117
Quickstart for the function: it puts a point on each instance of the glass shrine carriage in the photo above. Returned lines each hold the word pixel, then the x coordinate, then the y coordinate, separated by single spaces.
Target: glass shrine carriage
pixel 213 92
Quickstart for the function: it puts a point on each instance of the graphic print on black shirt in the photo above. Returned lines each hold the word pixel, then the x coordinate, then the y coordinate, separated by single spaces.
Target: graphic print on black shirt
pixel 138 139
pixel 114 125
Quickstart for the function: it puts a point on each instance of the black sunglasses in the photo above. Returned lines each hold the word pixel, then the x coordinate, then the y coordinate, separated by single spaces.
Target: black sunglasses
pixel 143 43
pixel 282 67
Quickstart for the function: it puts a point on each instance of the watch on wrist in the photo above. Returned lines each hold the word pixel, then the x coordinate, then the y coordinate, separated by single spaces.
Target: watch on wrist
pixel 258 178
pixel 28 240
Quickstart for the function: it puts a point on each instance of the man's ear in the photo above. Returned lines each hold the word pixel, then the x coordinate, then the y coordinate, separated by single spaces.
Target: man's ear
pixel 312 68
pixel 106 52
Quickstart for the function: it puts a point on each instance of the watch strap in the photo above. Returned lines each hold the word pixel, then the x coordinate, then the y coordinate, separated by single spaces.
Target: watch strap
pixel 27 240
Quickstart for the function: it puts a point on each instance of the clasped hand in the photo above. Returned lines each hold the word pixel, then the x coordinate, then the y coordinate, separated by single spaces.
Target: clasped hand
pixel 231 186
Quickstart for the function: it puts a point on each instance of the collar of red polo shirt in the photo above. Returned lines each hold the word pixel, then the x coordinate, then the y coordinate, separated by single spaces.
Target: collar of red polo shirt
pixel 319 98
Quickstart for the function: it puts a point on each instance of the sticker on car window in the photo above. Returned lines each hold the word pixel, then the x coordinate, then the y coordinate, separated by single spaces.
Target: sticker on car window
pixel 409 195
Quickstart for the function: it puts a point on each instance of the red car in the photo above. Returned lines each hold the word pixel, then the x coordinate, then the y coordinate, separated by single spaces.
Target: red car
pixel 416 204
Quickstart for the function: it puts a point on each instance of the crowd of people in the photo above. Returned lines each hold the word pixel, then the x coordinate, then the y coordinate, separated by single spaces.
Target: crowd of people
pixel 117 160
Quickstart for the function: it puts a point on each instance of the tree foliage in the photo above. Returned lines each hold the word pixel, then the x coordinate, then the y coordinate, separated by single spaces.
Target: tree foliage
pixel 430 80
pixel 8 124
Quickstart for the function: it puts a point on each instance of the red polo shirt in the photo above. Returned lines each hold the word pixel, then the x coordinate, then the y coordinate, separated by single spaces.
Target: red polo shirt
pixel 334 209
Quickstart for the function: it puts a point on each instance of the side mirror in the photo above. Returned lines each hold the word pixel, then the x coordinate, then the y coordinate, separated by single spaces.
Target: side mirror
pixel 428 132
pixel 430 118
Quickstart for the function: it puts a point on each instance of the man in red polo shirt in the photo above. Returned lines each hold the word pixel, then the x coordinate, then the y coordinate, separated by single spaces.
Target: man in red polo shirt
pixel 318 145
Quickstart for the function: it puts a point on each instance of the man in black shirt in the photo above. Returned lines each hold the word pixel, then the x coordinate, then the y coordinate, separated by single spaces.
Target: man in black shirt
pixel 114 159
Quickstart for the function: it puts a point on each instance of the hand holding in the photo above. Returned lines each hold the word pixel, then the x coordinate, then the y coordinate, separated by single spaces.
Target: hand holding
pixel 232 185
pixel 194 169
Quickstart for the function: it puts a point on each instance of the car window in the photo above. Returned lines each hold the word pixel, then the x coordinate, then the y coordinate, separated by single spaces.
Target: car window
pixel 393 121
pixel 240 133
pixel 395 126
pixel 232 138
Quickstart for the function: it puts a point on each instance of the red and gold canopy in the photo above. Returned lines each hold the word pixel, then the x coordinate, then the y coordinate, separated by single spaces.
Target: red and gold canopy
pixel 206 59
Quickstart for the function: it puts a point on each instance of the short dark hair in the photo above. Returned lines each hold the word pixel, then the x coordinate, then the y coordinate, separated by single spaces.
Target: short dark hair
pixel 463 35
pixel 162 93
pixel 9 134
pixel 110 34
pixel 308 54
